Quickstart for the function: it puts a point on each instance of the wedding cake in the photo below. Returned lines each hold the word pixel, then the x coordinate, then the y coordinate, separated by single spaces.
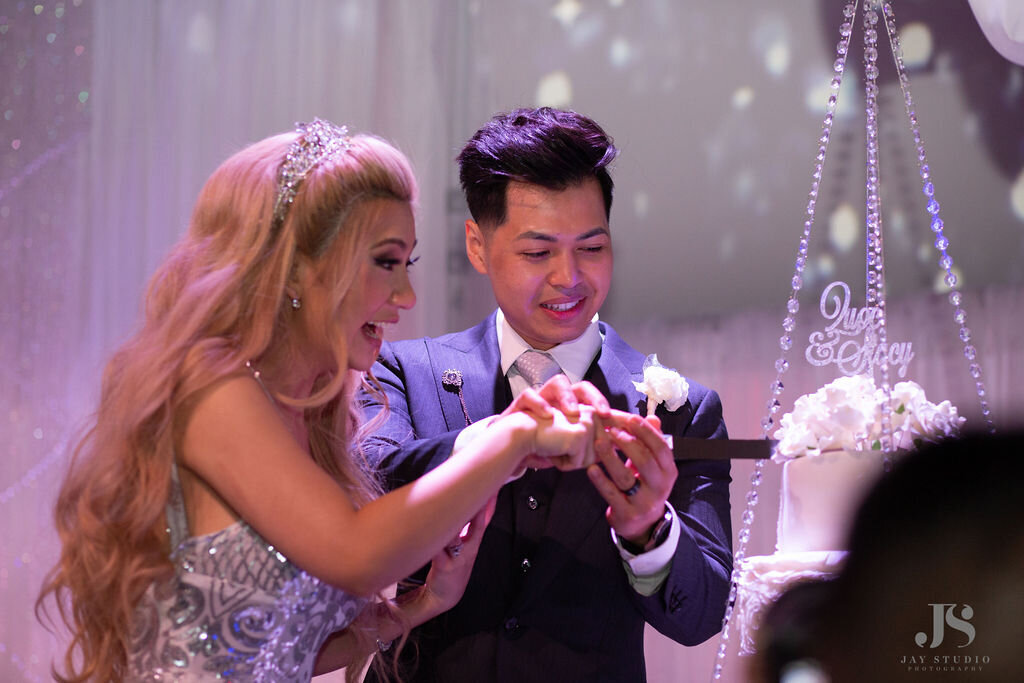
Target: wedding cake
pixel 830 448
pixel 819 496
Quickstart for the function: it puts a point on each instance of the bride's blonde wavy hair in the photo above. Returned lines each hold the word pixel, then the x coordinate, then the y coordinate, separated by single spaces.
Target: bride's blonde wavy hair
pixel 217 301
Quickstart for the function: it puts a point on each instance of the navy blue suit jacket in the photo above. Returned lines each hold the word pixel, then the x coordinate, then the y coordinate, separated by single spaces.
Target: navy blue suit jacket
pixel 549 599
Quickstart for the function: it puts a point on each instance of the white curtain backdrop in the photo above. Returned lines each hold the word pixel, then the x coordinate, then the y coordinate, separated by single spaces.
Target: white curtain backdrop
pixel 110 128
pixel 113 113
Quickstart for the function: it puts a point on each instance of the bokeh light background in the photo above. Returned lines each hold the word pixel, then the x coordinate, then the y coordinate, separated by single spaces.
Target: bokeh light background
pixel 113 113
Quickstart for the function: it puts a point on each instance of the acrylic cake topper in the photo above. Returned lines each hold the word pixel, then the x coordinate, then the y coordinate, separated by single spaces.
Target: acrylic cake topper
pixel 851 340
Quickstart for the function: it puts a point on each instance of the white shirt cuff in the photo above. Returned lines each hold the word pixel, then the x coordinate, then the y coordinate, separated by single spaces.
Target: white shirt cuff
pixel 655 560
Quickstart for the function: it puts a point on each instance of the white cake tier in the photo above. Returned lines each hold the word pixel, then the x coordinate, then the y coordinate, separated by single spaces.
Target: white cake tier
pixel 820 495
pixel 763 578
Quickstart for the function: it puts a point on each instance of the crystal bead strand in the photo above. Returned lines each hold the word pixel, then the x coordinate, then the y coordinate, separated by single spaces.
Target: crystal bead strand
pixel 788 325
pixel 874 261
pixel 941 241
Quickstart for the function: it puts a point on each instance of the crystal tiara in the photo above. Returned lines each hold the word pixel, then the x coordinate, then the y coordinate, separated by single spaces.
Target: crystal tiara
pixel 318 141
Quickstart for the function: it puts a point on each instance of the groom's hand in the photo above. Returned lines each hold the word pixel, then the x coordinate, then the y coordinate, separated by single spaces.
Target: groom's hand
pixel 557 393
pixel 636 489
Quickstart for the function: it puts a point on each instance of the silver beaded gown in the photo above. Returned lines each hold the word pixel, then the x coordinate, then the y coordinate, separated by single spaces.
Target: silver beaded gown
pixel 235 610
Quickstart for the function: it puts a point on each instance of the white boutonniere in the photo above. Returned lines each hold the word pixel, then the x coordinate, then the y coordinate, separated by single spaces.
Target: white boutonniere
pixel 662 385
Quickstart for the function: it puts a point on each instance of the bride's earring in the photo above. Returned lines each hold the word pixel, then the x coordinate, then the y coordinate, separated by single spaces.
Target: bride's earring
pixel 296 303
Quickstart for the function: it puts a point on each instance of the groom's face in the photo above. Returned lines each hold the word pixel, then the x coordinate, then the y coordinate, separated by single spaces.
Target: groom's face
pixel 550 262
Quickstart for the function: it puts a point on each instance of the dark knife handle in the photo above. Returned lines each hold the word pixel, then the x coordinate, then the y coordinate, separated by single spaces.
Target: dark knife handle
pixel 723 449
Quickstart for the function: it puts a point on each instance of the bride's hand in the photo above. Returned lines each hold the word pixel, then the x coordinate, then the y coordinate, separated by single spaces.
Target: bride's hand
pixel 566 443
pixel 450 569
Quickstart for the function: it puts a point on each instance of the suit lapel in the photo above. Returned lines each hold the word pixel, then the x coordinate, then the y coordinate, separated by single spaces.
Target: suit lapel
pixel 612 378
pixel 474 353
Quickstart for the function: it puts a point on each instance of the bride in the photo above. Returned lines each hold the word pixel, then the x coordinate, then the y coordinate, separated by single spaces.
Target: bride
pixel 218 520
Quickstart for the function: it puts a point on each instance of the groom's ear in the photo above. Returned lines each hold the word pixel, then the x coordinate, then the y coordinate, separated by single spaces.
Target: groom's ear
pixel 476 246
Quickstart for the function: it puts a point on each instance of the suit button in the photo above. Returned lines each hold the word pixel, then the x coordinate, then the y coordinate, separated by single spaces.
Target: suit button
pixel 511 625
pixel 525 564
pixel 531 503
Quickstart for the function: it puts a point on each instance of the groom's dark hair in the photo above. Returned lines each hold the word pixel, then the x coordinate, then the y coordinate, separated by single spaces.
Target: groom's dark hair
pixel 552 148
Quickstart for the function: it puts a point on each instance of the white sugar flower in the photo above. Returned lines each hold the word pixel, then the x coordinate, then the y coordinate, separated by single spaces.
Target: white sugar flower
pixel 847 414
pixel 796 437
pixel 907 403
pixel 945 420
pixel 662 385
pixel 915 420
pixel 838 415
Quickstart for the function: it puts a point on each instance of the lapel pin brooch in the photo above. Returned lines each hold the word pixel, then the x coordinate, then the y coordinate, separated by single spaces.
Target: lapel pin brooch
pixel 452 381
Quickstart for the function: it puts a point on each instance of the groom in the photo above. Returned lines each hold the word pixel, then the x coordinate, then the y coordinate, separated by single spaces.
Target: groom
pixel 573 564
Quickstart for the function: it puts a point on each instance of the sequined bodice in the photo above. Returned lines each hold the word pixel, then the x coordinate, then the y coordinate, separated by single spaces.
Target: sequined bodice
pixel 236 609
